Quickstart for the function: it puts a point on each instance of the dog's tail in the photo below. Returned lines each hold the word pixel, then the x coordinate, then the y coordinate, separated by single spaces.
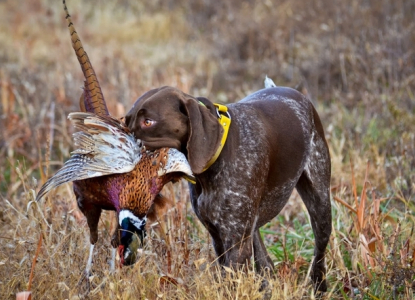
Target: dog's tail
pixel 269 83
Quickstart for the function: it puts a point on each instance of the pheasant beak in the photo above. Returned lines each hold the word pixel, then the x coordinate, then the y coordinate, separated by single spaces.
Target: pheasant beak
pixel 132 233
pixel 121 254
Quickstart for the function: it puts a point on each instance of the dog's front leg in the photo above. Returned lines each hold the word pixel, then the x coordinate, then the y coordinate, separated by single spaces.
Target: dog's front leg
pixel 263 262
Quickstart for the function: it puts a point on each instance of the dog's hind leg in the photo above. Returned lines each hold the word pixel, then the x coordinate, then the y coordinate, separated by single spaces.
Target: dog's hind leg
pixel 314 189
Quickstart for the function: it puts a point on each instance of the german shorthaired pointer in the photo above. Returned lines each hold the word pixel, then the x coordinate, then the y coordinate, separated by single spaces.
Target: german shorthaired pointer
pixel 275 143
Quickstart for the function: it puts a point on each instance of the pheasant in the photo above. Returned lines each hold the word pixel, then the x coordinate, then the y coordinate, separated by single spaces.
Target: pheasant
pixel 110 169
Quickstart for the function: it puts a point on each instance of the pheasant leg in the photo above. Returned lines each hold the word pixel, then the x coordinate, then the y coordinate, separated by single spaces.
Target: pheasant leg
pixel 87 272
pixel 112 262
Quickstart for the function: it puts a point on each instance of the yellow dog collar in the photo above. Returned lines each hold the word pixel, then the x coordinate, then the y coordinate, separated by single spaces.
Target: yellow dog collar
pixel 224 119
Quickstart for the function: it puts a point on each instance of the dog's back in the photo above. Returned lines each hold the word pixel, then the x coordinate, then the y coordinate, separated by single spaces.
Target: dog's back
pixel 269 142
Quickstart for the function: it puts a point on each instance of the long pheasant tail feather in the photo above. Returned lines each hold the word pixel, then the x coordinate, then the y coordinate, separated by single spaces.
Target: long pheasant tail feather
pixel 85 101
pixel 82 102
pixel 92 100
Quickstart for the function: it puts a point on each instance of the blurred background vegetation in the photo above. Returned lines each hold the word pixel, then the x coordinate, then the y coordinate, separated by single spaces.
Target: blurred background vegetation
pixel 354 59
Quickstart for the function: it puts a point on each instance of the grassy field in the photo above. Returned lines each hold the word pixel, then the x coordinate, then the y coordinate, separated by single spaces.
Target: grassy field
pixel 354 59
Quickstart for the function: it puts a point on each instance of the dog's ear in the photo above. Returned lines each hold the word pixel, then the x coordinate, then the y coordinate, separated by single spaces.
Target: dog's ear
pixel 204 136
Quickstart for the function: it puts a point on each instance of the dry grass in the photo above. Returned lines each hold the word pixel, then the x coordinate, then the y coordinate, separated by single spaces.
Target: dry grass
pixel 354 59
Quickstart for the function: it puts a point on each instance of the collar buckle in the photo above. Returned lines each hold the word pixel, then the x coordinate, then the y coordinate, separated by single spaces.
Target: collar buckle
pixel 221 110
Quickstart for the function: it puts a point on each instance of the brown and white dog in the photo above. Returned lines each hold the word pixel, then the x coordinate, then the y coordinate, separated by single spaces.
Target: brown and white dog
pixel 275 143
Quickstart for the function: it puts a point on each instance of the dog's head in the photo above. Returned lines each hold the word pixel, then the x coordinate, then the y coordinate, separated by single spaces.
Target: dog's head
pixel 167 117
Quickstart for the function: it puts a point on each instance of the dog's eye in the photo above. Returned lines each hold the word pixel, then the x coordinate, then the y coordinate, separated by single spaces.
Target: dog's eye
pixel 148 122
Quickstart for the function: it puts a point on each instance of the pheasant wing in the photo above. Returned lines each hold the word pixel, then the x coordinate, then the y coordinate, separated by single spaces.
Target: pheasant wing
pixel 104 147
